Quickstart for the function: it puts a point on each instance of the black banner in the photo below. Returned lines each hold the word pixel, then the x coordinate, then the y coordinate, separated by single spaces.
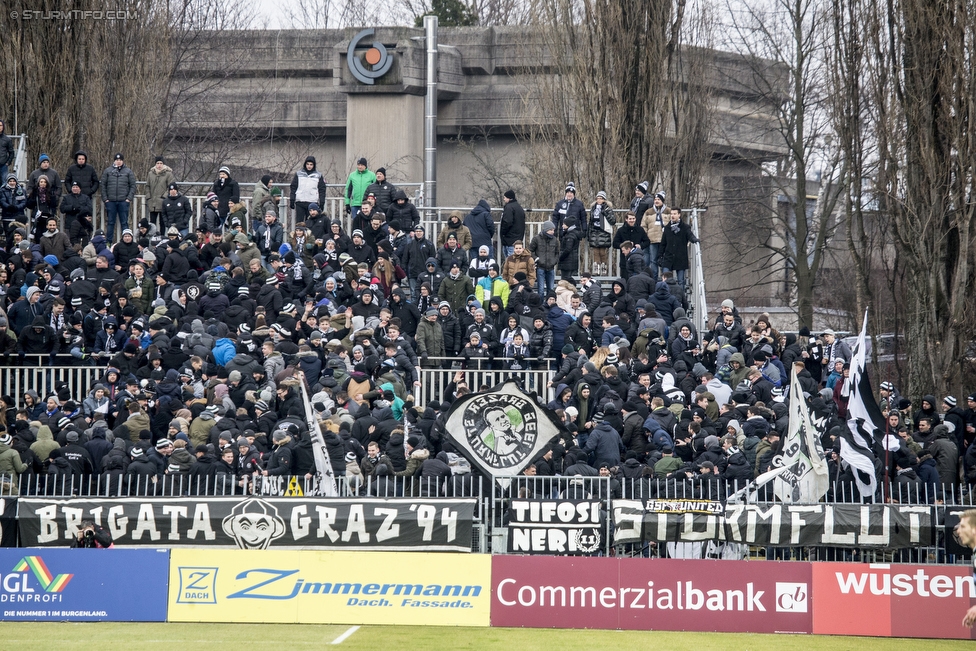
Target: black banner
pixel 256 523
pixel 781 525
pixel 555 527
pixel 8 522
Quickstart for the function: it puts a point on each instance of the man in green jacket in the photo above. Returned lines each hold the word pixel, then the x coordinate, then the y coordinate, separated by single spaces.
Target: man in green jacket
pixel 10 465
pixel 356 185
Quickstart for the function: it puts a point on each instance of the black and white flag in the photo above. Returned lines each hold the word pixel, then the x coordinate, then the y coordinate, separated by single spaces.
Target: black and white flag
pixel 324 482
pixel 805 478
pixel 864 421
pixel 501 430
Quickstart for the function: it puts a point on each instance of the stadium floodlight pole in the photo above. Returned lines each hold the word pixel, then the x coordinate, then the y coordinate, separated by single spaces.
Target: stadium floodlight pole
pixel 430 113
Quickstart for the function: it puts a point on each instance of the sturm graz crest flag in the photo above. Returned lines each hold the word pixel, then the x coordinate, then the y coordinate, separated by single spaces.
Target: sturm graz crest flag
pixel 501 430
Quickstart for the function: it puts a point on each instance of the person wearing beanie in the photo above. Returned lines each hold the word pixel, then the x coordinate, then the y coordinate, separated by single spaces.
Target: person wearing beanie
pixel 269 235
pixel 228 192
pixel 355 190
pixel 600 232
pixel 512 227
pixel 43 169
pixel 176 211
pixel 641 202
pixel 430 338
pixel 956 417
pixel 544 248
pixel 158 180
pixel 569 207
pixel 383 191
pixel 307 187
pixel 458 229
pixel 118 188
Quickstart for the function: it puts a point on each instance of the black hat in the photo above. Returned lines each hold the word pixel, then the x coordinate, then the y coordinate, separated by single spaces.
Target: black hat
pixel 510 195
pixel 119 156
pixel 379 170
pixel 361 161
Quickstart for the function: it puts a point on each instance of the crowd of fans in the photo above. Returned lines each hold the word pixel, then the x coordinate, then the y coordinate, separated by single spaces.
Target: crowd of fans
pixel 207 337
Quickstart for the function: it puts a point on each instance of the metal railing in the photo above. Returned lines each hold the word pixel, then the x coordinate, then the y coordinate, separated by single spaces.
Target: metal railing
pixel 112 484
pixel 120 484
pixel 494 515
pixel 36 374
pixel 196 193
pixel 433 217
pixel 20 156
pixel 434 382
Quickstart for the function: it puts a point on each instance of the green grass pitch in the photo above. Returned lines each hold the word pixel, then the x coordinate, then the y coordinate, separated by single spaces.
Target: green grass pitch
pixel 238 637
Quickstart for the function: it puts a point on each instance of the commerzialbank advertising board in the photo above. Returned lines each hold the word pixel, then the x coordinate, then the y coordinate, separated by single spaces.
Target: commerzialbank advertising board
pixel 329 587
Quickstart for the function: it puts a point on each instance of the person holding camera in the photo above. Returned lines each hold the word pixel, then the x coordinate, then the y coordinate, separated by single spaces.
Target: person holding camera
pixel 91 536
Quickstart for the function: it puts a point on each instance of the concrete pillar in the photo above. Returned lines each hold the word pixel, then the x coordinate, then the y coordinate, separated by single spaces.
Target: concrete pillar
pixel 389 131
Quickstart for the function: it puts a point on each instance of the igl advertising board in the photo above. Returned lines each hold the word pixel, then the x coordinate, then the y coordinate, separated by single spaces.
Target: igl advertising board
pixel 337 587
pixel 645 594
pixel 83 585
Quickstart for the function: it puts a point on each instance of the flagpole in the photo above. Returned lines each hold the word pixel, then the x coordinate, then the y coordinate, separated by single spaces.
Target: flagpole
pixel 885 488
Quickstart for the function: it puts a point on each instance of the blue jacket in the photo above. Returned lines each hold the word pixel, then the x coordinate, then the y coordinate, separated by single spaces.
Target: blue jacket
pixel 559 321
pixel 604 445
pixel 224 351
pixel 610 333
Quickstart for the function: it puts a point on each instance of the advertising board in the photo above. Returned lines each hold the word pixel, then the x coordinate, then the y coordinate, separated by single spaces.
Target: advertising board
pixel 651 594
pixel 83 585
pixel 329 587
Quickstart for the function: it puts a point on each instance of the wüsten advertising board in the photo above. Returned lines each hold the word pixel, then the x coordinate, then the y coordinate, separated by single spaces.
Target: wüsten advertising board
pixel 329 587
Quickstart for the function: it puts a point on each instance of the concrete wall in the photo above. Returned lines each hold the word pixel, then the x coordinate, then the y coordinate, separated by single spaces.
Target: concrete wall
pixel 277 96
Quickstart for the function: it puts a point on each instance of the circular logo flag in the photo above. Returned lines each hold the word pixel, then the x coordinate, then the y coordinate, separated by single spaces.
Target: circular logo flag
pixel 501 430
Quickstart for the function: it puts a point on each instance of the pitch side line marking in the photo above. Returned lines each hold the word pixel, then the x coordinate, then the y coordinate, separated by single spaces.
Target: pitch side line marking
pixel 342 638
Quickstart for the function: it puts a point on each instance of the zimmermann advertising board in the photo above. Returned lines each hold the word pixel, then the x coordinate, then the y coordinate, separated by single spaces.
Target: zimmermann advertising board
pixel 309 587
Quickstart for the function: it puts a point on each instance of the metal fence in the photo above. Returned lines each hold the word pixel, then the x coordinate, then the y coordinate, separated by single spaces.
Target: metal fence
pixel 493 513
pixel 36 374
pixel 187 485
pixel 434 382
pixel 434 217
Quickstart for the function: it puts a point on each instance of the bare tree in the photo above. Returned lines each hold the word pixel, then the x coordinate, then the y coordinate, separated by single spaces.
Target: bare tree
pixel 923 89
pixel 492 171
pixel 784 44
pixel 625 100
pixel 84 81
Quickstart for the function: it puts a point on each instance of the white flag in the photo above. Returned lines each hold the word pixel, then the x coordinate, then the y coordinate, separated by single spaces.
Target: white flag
pixel 323 483
pixel 806 478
